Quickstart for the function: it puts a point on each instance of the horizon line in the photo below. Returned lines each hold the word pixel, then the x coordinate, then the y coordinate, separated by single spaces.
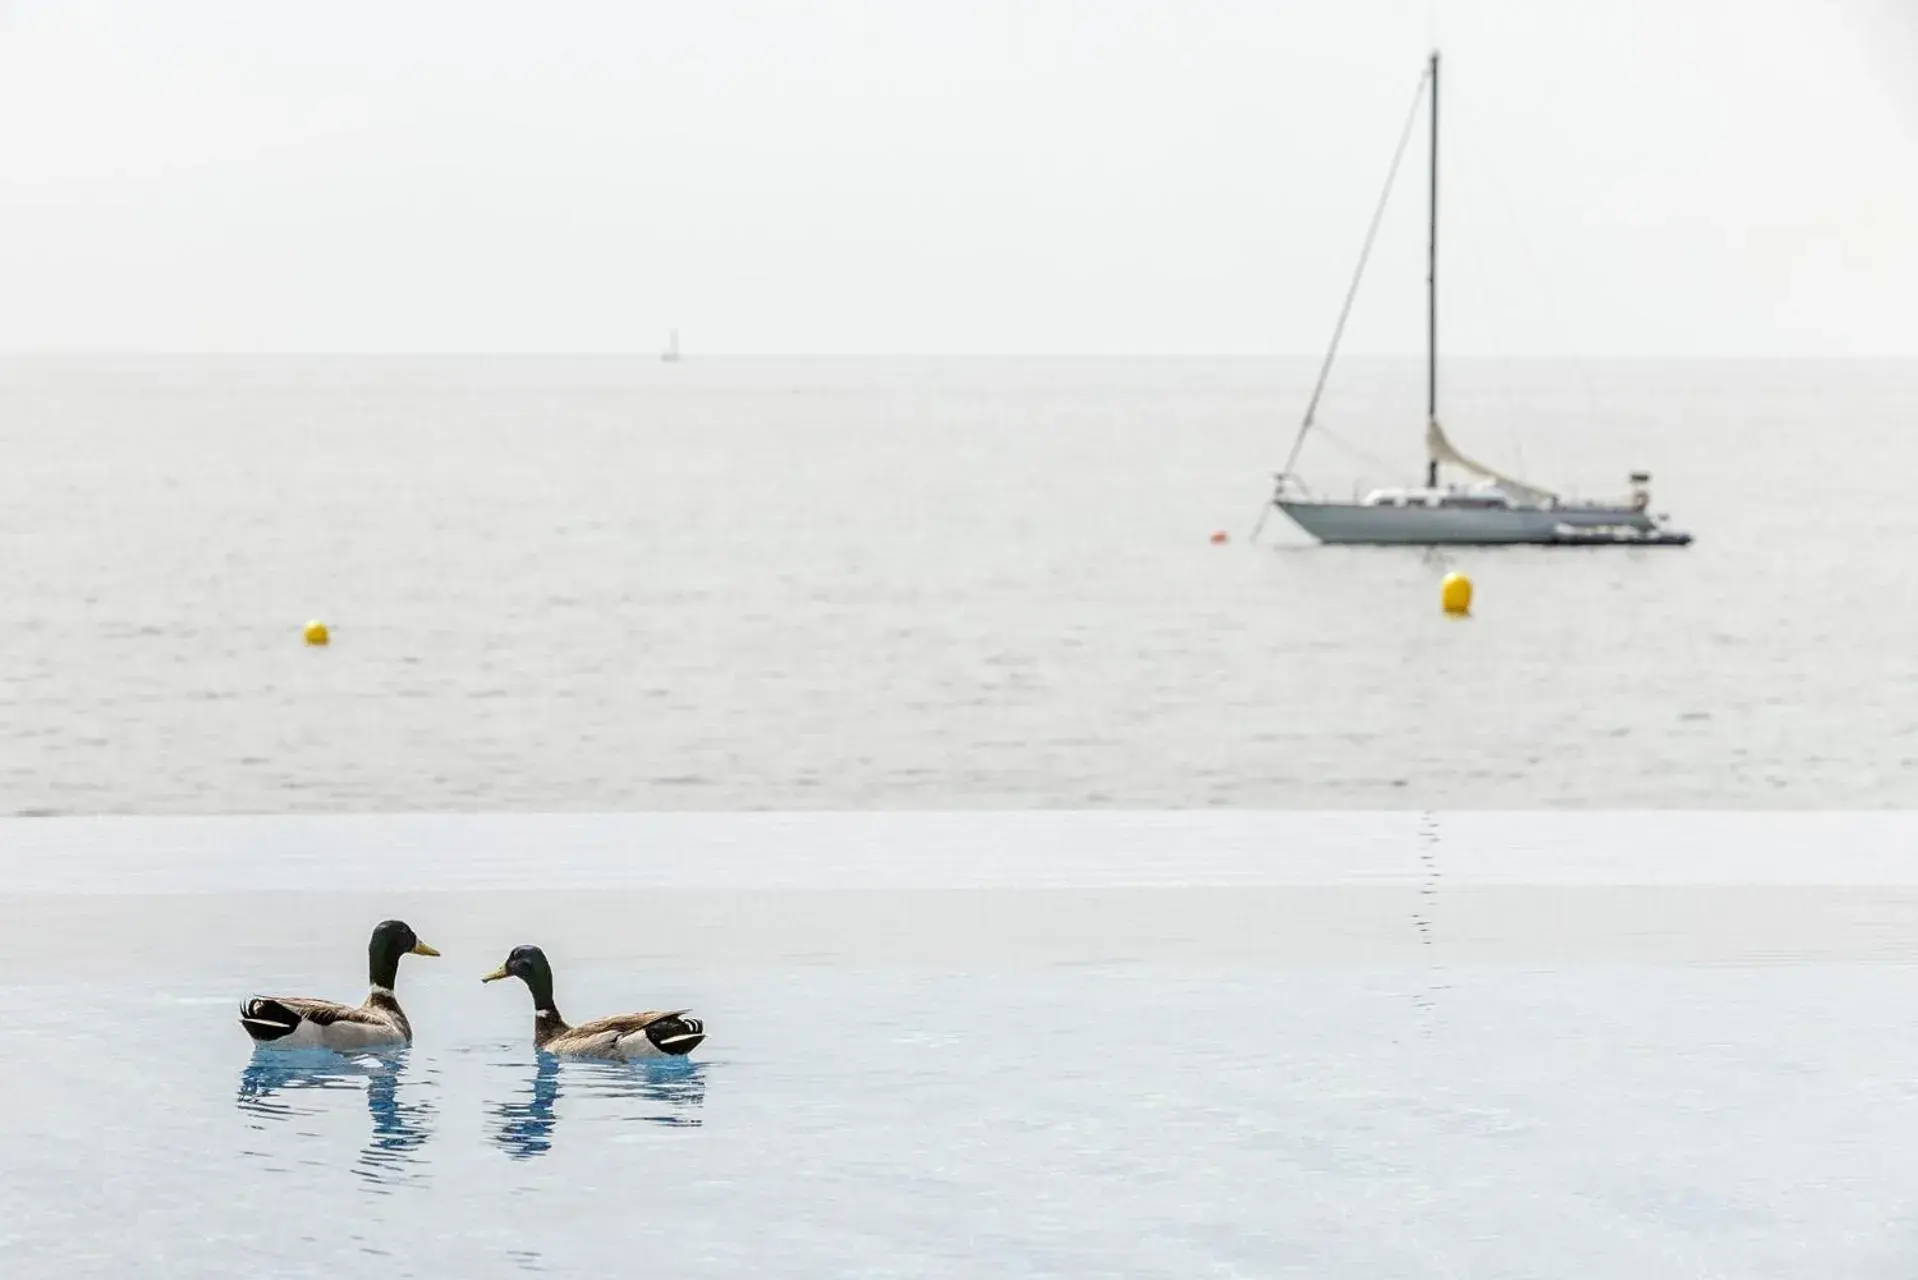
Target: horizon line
pixel 684 358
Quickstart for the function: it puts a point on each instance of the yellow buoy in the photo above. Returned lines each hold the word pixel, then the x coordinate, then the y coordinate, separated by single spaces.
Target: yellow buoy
pixel 1455 593
pixel 316 633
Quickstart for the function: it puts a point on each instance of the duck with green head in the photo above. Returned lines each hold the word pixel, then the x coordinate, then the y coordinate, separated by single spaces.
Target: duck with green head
pixel 623 1036
pixel 301 1022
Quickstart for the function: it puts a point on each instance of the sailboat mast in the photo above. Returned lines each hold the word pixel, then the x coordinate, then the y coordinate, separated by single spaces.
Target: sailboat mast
pixel 1431 282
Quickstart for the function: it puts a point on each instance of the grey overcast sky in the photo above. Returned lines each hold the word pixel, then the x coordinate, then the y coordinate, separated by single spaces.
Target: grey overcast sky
pixel 1662 177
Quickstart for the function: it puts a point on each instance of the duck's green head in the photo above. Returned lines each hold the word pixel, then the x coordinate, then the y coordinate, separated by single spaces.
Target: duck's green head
pixel 391 940
pixel 528 964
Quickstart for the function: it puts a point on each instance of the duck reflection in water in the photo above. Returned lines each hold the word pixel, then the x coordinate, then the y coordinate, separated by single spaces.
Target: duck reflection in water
pixel 400 1128
pixel 673 1091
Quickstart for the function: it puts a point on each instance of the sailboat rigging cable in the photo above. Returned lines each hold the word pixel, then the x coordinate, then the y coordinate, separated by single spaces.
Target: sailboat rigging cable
pixel 1365 253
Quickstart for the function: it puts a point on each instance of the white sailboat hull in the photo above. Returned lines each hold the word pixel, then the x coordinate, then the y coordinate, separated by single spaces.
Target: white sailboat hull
pixel 1358 523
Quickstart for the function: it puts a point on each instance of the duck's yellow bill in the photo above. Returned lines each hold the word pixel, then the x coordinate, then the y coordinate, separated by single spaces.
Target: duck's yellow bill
pixel 421 949
pixel 496 975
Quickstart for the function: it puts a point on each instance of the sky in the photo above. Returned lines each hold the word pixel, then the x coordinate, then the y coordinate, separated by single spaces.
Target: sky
pixel 1125 177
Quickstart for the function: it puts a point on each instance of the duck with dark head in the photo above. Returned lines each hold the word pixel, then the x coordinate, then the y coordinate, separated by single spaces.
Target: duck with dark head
pixel 302 1022
pixel 622 1037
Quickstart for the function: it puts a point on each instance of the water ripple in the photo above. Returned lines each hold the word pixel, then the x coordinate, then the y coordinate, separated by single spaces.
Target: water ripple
pixel 400 1126
pixel 670 1094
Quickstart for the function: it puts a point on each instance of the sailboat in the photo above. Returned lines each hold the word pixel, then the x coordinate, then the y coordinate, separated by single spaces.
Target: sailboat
pixel 671 354
pixel 1497 509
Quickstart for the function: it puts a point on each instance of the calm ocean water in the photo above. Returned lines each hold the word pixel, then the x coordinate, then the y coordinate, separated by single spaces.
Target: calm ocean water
pixel 606 584
pixel 1362 1019
pixel 1149 1045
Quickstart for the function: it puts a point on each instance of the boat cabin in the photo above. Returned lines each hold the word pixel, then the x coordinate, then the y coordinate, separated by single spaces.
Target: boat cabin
pixel 1481 499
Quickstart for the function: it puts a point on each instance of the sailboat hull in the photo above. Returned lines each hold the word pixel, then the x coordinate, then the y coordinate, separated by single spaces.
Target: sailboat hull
pixel 1370 524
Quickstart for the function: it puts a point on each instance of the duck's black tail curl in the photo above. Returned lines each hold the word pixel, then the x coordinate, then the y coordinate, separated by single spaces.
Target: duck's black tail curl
pixel 267 1020
pixel 676 1035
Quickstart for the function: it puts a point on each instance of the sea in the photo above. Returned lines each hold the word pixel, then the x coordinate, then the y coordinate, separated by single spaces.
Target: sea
pixel 609 584
pixel 1065 892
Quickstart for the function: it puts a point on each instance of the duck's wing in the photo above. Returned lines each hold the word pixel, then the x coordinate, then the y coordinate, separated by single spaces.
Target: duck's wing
pixel 667 1031
pixel 270 1018
pixel 625 1024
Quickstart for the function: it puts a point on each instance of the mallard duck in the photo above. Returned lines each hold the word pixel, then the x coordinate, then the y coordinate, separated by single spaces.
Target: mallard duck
pixel 623 1036
pixel 297 1022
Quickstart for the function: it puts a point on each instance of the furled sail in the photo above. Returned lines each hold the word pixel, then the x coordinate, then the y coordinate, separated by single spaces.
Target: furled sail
pixel 1440 449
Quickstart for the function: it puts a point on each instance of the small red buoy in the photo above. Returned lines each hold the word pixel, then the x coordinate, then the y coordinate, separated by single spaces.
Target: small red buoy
pixel 1218 538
